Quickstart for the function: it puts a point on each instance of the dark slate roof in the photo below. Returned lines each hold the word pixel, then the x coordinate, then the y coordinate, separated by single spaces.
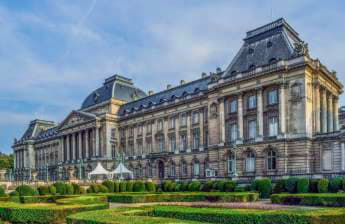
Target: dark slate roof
pixel 36 129
pixel 117 87
pixel 29 132
pixel 47 134
pixel 265 45
pixel 179 92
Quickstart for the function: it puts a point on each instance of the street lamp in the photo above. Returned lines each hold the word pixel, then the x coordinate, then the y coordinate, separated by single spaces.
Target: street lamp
pixel 47 173
pixel 80 166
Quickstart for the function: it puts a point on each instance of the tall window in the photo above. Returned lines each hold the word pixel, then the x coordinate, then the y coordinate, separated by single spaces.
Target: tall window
pixel 172 122
pixel 184 168
pixel 195 117
pixel 149 146
pixel 140 129
pixel 273 126
pixel 196 139
pixel 131 131
pixel 160 125
pixel 233 106
pixel 161 143
pixel 172 141
pixel 172 169
pixel 252 102
pixel 272 97
pixel 231 163
pixel 250 162
pixel 252 129
pixel 183 119
pixel 140 148
pixel 196 168
pixel 113 151
pixel 327 160
pixel 233 132
pixel 113 133
pixel 271 160
pixel 183 142
pixel 149 127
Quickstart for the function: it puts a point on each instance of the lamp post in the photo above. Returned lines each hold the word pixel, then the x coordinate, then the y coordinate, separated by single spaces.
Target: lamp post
pixel 80 166
pixel 47 173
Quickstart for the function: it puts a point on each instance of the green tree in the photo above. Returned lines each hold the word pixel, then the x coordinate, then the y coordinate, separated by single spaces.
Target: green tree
pixel 6 161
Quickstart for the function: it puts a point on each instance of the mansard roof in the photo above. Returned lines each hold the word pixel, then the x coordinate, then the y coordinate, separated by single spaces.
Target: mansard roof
pixel 265 45
pixel 117 87
pixel 179 92
pixel 37 129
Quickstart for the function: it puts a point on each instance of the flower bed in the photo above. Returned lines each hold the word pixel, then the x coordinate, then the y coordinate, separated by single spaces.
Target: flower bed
pixel 328 199
pixel 176 214
pixel 183 197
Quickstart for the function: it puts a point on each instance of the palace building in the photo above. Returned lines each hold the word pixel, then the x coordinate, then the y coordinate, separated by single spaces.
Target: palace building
pixel 273 112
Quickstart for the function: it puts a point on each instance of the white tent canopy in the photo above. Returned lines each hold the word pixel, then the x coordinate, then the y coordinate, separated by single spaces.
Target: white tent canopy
pixel 99 170
pixel 121 169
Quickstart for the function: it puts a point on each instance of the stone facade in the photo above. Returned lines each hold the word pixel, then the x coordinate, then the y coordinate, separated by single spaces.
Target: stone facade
pixel 274 112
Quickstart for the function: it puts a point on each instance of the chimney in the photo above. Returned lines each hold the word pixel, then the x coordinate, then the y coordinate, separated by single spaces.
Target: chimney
pixel 203 75
pixel 182 82
pixel 151 92
pixel 169 86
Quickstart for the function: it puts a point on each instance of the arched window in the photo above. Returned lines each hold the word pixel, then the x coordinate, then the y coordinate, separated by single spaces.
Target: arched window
pixel 250 161
pixel 196 168
pixel 231 163
pixel 184 168
pixel 271 160
pixel 172 169
pixel 272 61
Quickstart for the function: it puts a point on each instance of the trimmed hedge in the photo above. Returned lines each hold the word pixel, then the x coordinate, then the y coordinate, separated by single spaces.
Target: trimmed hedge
pixel 322 186
pixel 183 197
pixel 291 184
pixel 110 185
pixel 264 187
pixel 2 192
pixel 303 185
pixel 60 187
pixel 332 200
pixel 26 190
pixel 150 187
pixel 335 184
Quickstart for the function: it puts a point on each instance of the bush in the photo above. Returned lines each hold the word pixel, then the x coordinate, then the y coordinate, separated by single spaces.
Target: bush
pixel 26 190
pixel 116 186
pixel 69 189
pixel 208 186
pixel 139 186
pixel 194 186
pixel 14 194
pixel 184 186
pixel 109 184
pixel 43 190
pixel 313 185
pixel 52 189
pixel 2 192
pixel 76 188
pixel 343 183
pixel 60 188
pixel 335 184
pixel 150 187
pixel 167 185
pixel 219 185
pixel 230 186
pixel 291 185
pixel 322 186
pixel 325 199
pixel 102 189
pixel 94 188
pixel 254 185
pixel 240 189
pixel 264 187
pixel 129 186
pixel 123 186
pixel 303 185
pixel 82 190
pixel 279 187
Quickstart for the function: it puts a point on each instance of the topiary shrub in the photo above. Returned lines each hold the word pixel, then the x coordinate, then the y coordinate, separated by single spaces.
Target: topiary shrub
pixel 76 188
pixel 69 189
pixel 291 185
pixel 109 184
pixel 139 186
pixel 116 186
pixel 94 188
pixel 194 186
pixel 150 186
pixel 14 194
pixel 343 184
pixel 303 185
pixel 166 185
pixel 322 186
pixel 184 186
pixel 208 186
pixel 52 190
pixel 129 186
pixel 82 190
pixel 102 189
pixel 219 185
pixel 335 184
pixel 240 189
pixel 123 186
pixel 230 186
pixel 264 187
pixel 2 192
pixel 26 190
pixel 279 187
pixel 43 190
pixel 254 185
pixel 60 187
pixel 313 185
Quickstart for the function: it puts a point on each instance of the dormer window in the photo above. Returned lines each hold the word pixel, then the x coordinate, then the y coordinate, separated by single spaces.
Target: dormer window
pixel 250 51
pixel 269 44
pixel 233 73
pixel 272 61
pixel 251 68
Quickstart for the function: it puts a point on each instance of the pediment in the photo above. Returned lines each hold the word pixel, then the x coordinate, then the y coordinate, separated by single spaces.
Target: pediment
pixel 75 118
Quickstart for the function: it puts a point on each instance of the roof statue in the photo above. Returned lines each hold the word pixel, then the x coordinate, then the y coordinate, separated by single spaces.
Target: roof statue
pixel 99 170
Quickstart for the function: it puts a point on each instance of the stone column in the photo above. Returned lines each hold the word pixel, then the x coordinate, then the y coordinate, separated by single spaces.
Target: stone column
pixel 260 115
pixel 222 120
pixel 153 133
pixel 68 148
pixel 166 138
pixel 317 108
pixel 201 122
pixel 240 119
pixel 80 145
pixel 336 113
pixel 324 111
pixel 135 144
pixel 144 141
pixel 330 113
pixel 282 111
pixel 189 136
pixel 177 134
pixel 87 146
pixel 97 141
pixel 74 146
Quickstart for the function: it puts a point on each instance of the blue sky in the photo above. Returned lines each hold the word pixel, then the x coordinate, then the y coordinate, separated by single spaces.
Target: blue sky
pixel 54 53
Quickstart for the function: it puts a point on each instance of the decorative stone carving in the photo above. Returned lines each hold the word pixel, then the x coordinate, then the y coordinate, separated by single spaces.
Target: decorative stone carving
pixel 301 48
pixel 214 110
pixel 215 76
